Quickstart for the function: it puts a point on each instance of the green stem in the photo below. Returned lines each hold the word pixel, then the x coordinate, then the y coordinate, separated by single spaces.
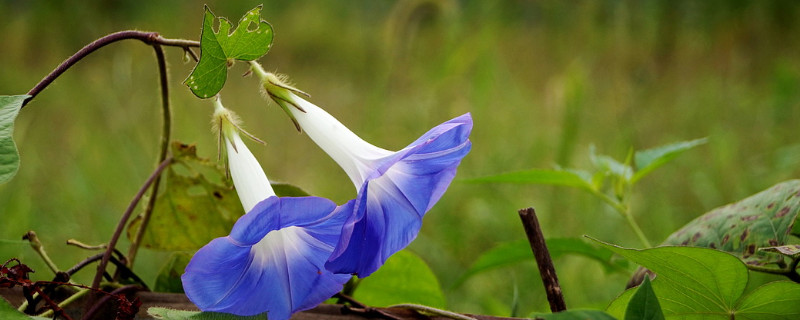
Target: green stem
pixel 623 210
pixel 37 246
pixel 66 302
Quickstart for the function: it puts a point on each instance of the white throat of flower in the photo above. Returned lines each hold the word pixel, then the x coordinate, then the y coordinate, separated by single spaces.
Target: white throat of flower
pixel 250 180
pixel 353 154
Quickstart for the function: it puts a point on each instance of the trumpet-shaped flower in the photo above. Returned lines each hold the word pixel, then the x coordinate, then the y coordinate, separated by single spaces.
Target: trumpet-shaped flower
pixel 273 260
pixel 395 188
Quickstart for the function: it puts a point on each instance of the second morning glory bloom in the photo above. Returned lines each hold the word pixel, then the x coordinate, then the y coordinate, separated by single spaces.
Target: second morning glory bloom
pixel 273 261
pixel 395 188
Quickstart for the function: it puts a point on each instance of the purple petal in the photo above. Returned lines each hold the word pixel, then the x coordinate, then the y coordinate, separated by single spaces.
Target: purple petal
pixel 388 210
pixel 273 261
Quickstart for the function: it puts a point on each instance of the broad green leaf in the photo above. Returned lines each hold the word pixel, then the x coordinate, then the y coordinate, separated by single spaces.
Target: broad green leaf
pixel 573 314
pixel 8 312
pixel 702 283
pixel 650 159
pixel 539 176
pixel 518 251
pixel 172 314
pixel 250 40
pixel 644 304
pixel 404 278
pixel 774 300
pixel 692 280
pixel 9 156
pixel 762 220
pixel 192 209
pixel 169 277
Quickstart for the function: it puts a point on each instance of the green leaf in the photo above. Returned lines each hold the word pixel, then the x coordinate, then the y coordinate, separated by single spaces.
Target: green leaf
pixel 9 156
pixel 644 304
pixel 169 277
pixel 8 312
pixel 762 220
pixel 650 159
pixel 288 190
pixel 558 177
pixel 702 283
pixel 172 314
pixel 774 300
pixel 217 49
pixel 404 278
pixel 573 314
pixel 518 251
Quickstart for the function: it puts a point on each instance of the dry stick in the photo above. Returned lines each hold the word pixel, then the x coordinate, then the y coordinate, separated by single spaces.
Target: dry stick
pixel 165 136
pixel 543 259
pixel 146 37
pixel 101 268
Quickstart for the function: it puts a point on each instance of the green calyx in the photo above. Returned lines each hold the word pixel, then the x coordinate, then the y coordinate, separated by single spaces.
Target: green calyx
pixel 278 88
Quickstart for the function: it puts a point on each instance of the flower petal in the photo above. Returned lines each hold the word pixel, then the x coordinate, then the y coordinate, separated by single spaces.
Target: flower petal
pixel 388 210
pixel 273 260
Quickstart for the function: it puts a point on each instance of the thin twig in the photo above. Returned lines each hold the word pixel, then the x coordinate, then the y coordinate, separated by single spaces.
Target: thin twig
pixel 121 225
pixel 150 38
pixel 431 311
pixel 39 248
pixel 546 269
pixel 166 129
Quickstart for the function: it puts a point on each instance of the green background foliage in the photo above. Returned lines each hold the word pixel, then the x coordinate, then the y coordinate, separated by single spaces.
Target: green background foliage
pixel 542 79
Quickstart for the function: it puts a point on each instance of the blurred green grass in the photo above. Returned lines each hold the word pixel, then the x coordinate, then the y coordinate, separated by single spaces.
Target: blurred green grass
pixel 542 79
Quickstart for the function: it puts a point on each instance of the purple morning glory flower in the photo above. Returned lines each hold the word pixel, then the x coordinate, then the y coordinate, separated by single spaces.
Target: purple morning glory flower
pixel 274 258
pixel 395 188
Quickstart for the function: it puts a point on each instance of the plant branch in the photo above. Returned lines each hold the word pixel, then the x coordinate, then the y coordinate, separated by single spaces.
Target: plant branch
pixel 431 311
pixel 37 246
pixel 624 211
pixel 150 38
pixel 121 225
pixel 543 260
pixel 166 129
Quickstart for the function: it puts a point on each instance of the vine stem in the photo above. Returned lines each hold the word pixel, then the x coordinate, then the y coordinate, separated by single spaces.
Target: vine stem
pixel 121 226
pixel 166 129
pixel 624 211
pixel 151 38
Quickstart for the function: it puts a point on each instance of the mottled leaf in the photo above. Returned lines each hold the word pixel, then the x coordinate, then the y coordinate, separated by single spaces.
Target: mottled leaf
pixel 702 283
pixel 9 156
pixel 172 314
pixel 193 207
pixel 644 304
pixel 648 160
pixel 573 314
pixel 250 40
pixel 762 220
pixel 169 277
pixel 404 278
pixel 510 253
pixel 565 178
pixel 197 203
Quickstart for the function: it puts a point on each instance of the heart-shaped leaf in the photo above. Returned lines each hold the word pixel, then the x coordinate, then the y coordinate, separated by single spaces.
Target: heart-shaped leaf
pixel 251 39
pixel 702 283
